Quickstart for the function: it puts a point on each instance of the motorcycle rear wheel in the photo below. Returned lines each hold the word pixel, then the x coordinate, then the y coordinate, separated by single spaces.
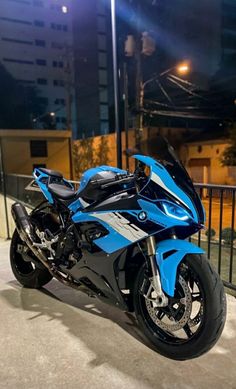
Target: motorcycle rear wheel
pixel 27 273
pixel 194 319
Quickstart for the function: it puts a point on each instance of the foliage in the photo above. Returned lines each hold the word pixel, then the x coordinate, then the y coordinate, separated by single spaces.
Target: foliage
pixel 102 152
pixel 18 103
pixel 226 235
pixel 229 155
pixel 85 155
pixel 210 232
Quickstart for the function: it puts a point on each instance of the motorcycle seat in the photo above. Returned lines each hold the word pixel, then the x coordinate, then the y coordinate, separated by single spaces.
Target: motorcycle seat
pixel 62 191
pixel 50 172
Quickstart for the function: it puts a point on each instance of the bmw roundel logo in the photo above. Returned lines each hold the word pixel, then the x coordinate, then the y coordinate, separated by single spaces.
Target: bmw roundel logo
pixel 142 216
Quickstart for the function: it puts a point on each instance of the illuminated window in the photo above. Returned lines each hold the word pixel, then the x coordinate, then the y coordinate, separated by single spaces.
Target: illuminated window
pixel 64 9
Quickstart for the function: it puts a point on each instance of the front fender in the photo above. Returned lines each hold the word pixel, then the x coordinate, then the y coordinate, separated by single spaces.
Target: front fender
pixel 169 254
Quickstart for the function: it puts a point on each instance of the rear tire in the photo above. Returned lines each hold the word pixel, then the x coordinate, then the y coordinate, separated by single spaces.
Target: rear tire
pixel 27 273
pixel 213 313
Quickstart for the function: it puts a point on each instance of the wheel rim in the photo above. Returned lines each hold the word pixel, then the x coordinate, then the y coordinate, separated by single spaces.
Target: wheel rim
pixel 23 267
pixel 182 319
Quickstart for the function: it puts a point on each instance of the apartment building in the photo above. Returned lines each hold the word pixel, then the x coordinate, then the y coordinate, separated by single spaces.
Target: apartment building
pixel 93 66
pixel 36 41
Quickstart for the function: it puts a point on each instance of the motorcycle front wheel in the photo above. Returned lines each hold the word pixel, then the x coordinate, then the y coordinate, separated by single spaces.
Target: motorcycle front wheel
pixel 193 320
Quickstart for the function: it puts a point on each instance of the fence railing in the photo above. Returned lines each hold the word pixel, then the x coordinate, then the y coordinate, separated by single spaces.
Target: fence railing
pixel 217 239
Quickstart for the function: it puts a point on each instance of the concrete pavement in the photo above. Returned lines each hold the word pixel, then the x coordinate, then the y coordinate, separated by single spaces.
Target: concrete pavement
pixel 60 338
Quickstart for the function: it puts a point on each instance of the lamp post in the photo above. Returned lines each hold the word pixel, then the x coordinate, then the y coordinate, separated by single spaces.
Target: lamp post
pixel 115 78
pixel 182 68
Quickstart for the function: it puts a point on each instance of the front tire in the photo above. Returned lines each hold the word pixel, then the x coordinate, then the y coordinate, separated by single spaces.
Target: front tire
pixel 29 274
pixel 174 331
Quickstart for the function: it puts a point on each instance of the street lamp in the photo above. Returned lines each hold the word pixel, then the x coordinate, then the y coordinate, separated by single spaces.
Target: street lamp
pixel 181 68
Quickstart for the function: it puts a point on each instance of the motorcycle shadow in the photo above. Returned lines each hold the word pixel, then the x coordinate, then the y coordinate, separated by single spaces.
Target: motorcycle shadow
pixel 57 302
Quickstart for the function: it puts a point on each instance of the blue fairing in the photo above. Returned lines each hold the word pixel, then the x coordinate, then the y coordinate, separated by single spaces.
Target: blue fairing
pixel 161 177
pixel 88 174
pixel 109 243
pixel 168 266
pixel 38 175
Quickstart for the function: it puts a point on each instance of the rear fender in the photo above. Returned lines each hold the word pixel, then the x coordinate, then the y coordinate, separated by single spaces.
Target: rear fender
pixel 169 254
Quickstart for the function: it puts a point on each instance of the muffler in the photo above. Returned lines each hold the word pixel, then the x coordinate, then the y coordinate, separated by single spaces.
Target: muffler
pixel 25 229
pixel 23 222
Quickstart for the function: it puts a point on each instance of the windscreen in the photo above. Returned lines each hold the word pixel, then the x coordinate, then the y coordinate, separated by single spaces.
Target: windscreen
pixel 165 155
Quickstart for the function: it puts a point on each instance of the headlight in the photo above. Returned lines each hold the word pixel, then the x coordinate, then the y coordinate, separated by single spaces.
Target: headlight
pixel 174 211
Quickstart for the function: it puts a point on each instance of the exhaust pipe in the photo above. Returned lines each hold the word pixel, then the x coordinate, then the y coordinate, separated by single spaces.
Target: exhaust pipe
pixel 23 223
pixel 26 231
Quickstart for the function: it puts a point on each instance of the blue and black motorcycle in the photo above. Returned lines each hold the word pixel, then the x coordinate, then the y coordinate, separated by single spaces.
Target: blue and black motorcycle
pixel 122 237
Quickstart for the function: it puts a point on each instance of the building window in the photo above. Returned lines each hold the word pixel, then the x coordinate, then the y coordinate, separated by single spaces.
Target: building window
pixel 38 3
pixel 41 62
pixel 26 81
pixel 101 24
pixel 43 101
pixel 64 9
pixel 17 41
pixel 103 95
pixel 58 83
pixel 57 64
pixel 57 45
pixel 39 23
pixel 39 42
pixel 42 81
pixel 104 127
pixel 55 7
pixel 38 148
pixel 61 119
pixel 104 113
pixel 16 21
pixel 101 9
pixel 21 2
pixel 102 74
pixel 102 60
pixel 20 61
pixel 102 43
pixel 59 27
pixel 60 102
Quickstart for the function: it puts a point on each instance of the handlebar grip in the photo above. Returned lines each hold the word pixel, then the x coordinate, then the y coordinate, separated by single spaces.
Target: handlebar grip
pixel 120 181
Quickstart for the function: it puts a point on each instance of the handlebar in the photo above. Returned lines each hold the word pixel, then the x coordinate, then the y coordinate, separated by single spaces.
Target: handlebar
pixel 118 179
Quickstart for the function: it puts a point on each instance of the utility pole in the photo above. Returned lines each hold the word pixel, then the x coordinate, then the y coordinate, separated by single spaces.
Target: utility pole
pixel 139 81
pixel 138 45
pixel 126 110
pixel 68 60
pixel 116 90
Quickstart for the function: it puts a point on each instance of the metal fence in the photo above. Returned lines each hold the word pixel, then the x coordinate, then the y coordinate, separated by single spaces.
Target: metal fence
pixel 217 239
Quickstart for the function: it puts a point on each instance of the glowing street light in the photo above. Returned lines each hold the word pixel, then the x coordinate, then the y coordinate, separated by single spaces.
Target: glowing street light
pixel 183 68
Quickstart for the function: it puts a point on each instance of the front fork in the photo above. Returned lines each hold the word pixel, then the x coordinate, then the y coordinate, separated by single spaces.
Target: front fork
pixel 155 282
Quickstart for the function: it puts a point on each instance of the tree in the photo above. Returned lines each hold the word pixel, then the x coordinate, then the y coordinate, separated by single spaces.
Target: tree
pixel 86 156
pixel 83 155
pixel 229 155
pixel 18 103
pixel 102 153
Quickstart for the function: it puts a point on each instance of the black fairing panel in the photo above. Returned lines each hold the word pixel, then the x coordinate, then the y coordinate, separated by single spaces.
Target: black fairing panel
pixel 100 273
pixel 121 201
